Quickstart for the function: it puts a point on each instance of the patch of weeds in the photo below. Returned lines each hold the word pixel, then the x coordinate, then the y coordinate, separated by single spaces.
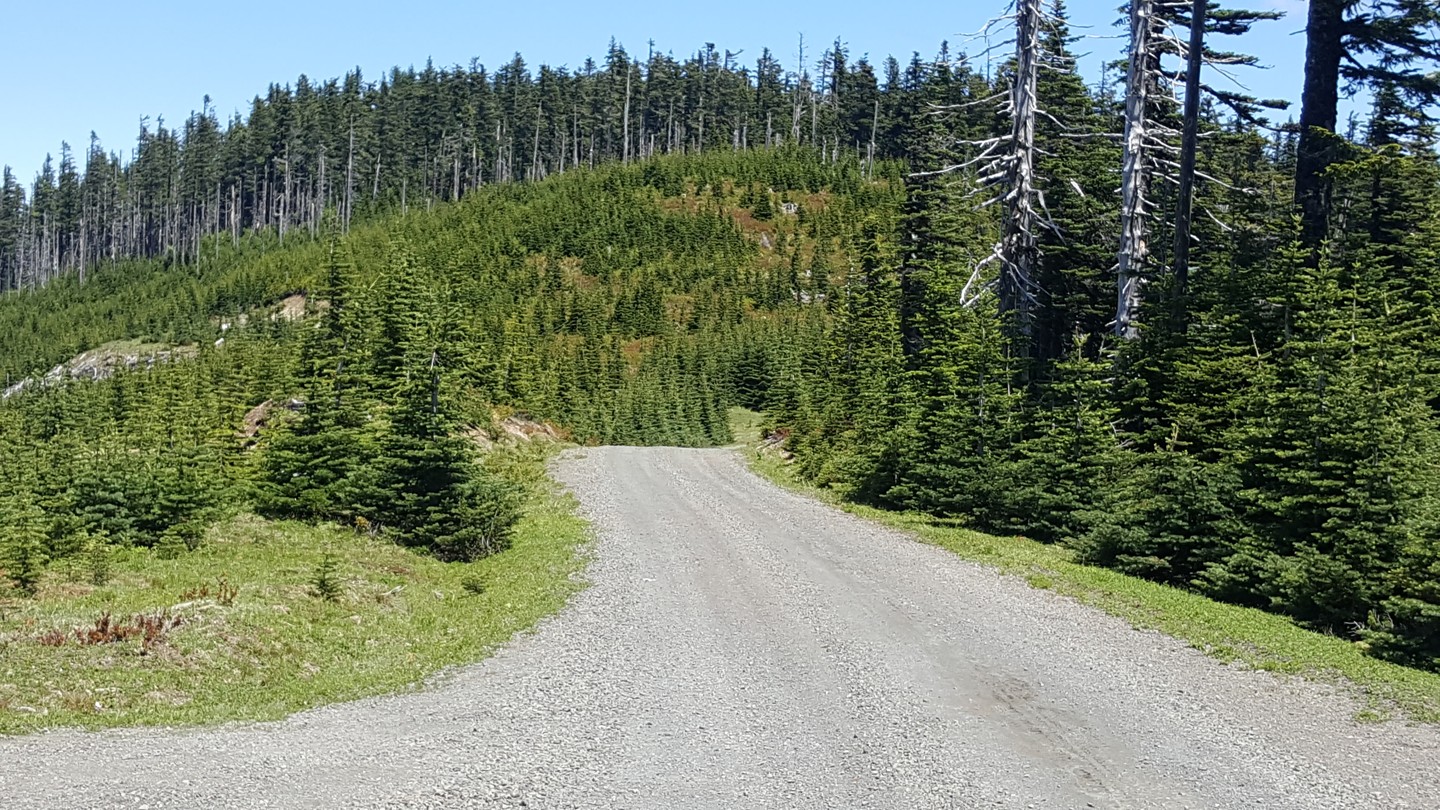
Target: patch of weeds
pixel 195 594
pixel 155 629
pixel 80 702
pixel 106 630
pixel 1276 665
pixel 152 629
pixel 225 593
pixel 1223 652
pixel 1040 581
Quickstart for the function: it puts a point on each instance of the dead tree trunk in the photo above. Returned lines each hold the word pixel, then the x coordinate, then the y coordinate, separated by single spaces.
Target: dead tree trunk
pixel 1019 249
pixel 625 126
pixel 1008 164
pixel 1134 183
pixel 350 175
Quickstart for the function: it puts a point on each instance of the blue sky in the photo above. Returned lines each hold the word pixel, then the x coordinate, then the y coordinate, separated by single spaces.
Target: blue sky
pixel 85 65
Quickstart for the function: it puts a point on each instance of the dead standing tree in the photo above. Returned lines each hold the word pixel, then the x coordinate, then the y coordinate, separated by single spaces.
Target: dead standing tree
pixel 1018 250
pixel 1147 145
pixel 1006 164
pixel 1155 150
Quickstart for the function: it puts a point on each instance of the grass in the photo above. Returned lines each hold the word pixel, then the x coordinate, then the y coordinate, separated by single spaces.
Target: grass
pixel 746 426
pixel 271 646
pixel 1240 635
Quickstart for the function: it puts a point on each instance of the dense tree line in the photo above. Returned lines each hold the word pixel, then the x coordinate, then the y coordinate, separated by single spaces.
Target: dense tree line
pixel 359 147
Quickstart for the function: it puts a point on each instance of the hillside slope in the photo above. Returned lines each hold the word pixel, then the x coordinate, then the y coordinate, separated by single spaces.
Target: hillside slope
pixel 622 305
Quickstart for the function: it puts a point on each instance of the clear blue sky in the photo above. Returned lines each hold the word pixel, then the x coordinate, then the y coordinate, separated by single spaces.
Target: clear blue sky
pixel 85 65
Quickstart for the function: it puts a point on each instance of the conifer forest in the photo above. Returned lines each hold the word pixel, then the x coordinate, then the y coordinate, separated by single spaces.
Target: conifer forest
pixel 1189 334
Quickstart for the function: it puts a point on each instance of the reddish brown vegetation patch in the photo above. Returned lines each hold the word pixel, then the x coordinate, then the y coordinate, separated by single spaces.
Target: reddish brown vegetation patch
pixel 152 629
pixel 224 593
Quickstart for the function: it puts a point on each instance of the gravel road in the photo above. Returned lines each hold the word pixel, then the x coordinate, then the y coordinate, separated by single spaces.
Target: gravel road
pixel 744 647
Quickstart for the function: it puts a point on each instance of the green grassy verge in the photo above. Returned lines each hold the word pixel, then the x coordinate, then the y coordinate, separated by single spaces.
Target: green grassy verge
pixel 274 647
pixel 1233 634
pixel 746 426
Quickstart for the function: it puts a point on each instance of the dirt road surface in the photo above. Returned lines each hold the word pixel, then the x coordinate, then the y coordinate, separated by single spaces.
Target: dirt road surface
pixel 745 647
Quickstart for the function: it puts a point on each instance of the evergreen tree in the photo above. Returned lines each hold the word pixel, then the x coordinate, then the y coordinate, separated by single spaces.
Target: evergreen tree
pixel 1338 470
pixel 1349 44
pixel 22 538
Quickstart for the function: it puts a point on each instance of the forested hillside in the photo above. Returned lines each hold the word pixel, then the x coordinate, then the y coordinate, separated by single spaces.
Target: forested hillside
pixel 623 304
pixel 1181 341
pixel 357 147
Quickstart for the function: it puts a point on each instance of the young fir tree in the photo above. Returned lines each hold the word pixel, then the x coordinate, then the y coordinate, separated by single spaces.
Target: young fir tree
pixel 1406 626
pixel 1068 455
pixel 1338 470
pixel 958 362
pixel 22 540
pixel 863 399
pixel 432 492
pixel 966 409
pixel 1167 517
pixel 321 468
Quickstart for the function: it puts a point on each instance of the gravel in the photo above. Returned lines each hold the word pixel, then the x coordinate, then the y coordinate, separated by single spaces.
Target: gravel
pixel 741 646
